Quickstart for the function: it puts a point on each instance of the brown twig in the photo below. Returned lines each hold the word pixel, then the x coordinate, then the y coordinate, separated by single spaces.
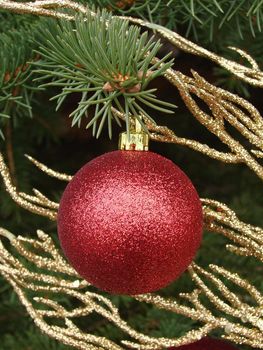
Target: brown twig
pixel 10 152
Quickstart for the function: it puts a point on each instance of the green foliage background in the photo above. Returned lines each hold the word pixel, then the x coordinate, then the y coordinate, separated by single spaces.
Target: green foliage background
pixel 48 136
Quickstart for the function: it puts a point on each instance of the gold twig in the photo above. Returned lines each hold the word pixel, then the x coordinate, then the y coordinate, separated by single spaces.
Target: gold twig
pixel 215 123
pixel 48 171
pixel 253 76
pixel 39 8
pixel 11 189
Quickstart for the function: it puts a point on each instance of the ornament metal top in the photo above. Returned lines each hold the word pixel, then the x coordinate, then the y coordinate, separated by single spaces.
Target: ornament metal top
pixel 136 140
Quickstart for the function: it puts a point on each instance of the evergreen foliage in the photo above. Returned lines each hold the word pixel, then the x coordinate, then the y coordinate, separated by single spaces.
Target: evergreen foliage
pixel 104 59
pixel 16 86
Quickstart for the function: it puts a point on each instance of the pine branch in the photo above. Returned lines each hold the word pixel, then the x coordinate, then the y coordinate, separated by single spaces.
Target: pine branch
pixel 16 84
pixel 104 59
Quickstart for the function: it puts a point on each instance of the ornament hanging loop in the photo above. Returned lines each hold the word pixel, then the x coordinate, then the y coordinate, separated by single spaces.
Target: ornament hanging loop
pixel 136 140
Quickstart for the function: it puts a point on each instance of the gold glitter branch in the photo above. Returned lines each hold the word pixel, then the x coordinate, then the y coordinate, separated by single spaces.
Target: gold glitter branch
pixel 219 218
pixel 226 108
pixel 253 75
pixel 48 171
pixel 37 204
pixel 44 8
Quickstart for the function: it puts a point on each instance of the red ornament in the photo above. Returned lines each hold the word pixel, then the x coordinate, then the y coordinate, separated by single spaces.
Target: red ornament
pixel 206 344
pixel 130 222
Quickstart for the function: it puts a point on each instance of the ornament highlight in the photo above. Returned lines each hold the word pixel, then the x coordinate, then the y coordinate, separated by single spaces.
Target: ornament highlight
pixel 206 344
pixel 130 222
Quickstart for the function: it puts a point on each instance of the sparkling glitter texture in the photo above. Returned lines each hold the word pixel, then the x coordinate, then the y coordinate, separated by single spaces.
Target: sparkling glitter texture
pixel 206 344
pixel 130 222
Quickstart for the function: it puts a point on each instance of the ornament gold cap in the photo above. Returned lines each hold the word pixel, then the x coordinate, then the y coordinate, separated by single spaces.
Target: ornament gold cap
pixel 137 140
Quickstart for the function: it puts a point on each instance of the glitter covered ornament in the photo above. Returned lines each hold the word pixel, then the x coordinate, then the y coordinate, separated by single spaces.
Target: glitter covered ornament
pixel 130 222
pixel 206 344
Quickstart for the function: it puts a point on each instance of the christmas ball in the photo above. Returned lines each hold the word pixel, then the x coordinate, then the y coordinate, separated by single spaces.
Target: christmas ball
pixel 206 344
pixel 130 222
